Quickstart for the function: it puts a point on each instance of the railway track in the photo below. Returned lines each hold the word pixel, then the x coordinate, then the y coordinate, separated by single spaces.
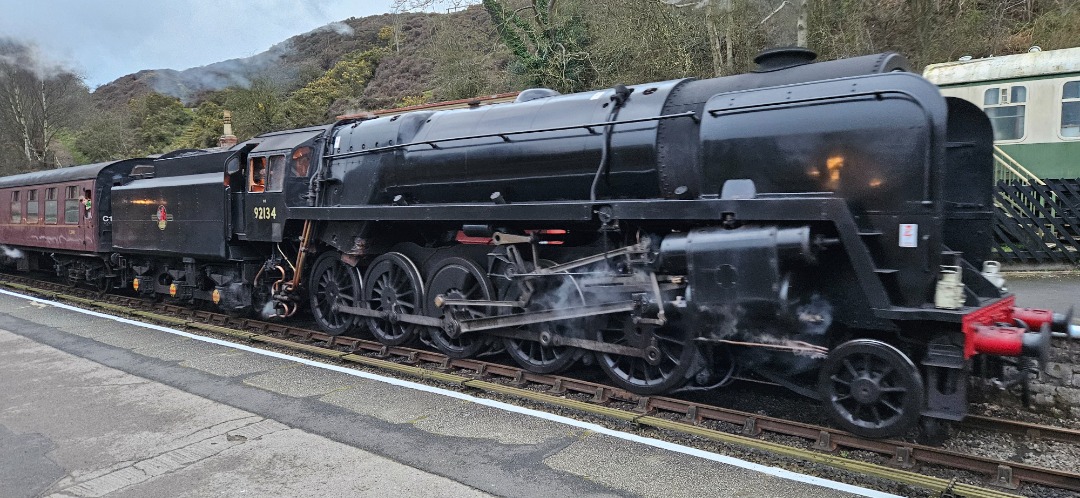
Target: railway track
pixel 665 413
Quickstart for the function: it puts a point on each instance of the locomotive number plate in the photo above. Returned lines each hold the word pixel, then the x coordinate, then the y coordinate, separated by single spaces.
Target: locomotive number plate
pixel 265 213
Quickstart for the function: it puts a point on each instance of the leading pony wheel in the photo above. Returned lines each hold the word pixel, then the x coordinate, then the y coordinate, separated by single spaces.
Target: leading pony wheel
pixel 333 282
pixel 458 278
pixel 872 389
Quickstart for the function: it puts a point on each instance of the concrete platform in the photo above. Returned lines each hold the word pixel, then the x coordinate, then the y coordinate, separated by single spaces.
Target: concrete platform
pixel 1051 290
pixel 91 406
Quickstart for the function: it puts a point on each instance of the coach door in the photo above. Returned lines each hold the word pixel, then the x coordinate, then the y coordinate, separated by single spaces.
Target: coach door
pixel 264 209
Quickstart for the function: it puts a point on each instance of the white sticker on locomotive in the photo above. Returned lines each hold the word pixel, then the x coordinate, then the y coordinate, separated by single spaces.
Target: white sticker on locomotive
pixel 909 235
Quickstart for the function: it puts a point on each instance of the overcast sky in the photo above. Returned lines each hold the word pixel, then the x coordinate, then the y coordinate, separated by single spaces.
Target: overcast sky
pixel 106 39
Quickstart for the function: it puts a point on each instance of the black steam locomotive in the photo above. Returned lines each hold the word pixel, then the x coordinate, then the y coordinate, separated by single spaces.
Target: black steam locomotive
pixel 822 225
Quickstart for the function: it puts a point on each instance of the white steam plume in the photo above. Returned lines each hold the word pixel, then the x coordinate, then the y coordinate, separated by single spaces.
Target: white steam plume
pixel 12 252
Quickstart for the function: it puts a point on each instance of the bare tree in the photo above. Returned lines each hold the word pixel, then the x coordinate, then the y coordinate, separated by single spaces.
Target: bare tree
pixel 36 102
pixel 400 7
pixel 717 43
pixel 800 23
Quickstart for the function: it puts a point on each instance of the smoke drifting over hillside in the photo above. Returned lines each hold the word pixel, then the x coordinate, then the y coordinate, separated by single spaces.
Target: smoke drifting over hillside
pixel 273 65
pixel 189 83
pixel 28 56
pixel 337 27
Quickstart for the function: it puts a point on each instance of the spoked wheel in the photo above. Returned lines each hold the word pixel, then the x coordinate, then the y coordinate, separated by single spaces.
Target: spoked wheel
pixel 393 285
pixel 871 389
pixel 669 352
pixel 333 282
pixel 70 280
pixel 533 355
pixel 458 278
pixel 104 284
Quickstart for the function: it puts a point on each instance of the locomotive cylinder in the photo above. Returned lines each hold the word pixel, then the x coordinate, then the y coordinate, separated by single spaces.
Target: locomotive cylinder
pixel 741 267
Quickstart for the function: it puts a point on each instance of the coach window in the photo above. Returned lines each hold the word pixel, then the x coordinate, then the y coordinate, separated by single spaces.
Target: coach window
pixel 276 180
pixel 31 206
pixel 1006 107
pixel 257 174
pixel 50 206
pixel 16 208
pixel 71 205
pixel 1070 109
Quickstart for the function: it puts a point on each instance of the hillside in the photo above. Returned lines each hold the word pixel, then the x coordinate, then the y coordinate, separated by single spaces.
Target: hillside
pixel 291 63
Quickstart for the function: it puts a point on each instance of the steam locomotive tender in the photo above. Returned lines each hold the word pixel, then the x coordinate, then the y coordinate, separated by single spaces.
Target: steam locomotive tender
pixel 822 225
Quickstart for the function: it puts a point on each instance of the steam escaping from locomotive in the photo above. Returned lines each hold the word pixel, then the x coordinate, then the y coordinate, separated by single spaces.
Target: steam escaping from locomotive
pixel 12 253
pixel 268 311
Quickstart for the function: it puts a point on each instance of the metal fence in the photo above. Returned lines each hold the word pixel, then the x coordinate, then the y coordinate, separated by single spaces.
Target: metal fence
pixel 1037 221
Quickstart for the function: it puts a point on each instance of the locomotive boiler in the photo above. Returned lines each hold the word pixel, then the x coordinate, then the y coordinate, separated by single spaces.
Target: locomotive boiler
pixel 822 225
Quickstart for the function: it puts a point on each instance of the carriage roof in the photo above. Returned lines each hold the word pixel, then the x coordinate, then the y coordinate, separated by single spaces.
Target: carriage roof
pixel 1006 67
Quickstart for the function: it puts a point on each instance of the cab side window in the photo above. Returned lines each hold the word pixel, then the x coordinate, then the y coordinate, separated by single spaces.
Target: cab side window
pixel 276 179
pixel 257 174
pixel 302 161
pixel 1005 106
pixel 1070 109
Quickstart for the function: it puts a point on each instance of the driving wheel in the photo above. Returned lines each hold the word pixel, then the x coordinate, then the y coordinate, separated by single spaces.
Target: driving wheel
pixel 393 285
pixel 669 352
pixel 333 282
pixel 535 356
pixel 458 278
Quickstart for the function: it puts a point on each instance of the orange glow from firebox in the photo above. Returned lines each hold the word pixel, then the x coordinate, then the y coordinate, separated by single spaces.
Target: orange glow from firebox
pixel 834 165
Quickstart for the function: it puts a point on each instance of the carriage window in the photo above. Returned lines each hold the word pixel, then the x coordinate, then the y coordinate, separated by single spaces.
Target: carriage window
pixel 31 206
pixel 1006 109
pixel 16 208
pixel 50 206
pixel 1070 109
pixel 71 205
pixel 257 174
pixel 277 174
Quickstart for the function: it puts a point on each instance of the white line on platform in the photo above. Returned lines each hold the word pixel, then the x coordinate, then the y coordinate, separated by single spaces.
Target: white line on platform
pixel 656 443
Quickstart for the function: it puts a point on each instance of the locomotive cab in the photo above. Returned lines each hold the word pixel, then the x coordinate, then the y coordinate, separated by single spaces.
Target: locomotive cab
pixel 275 172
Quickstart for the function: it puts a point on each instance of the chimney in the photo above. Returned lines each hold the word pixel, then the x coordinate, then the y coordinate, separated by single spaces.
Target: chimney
pixel 228 139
